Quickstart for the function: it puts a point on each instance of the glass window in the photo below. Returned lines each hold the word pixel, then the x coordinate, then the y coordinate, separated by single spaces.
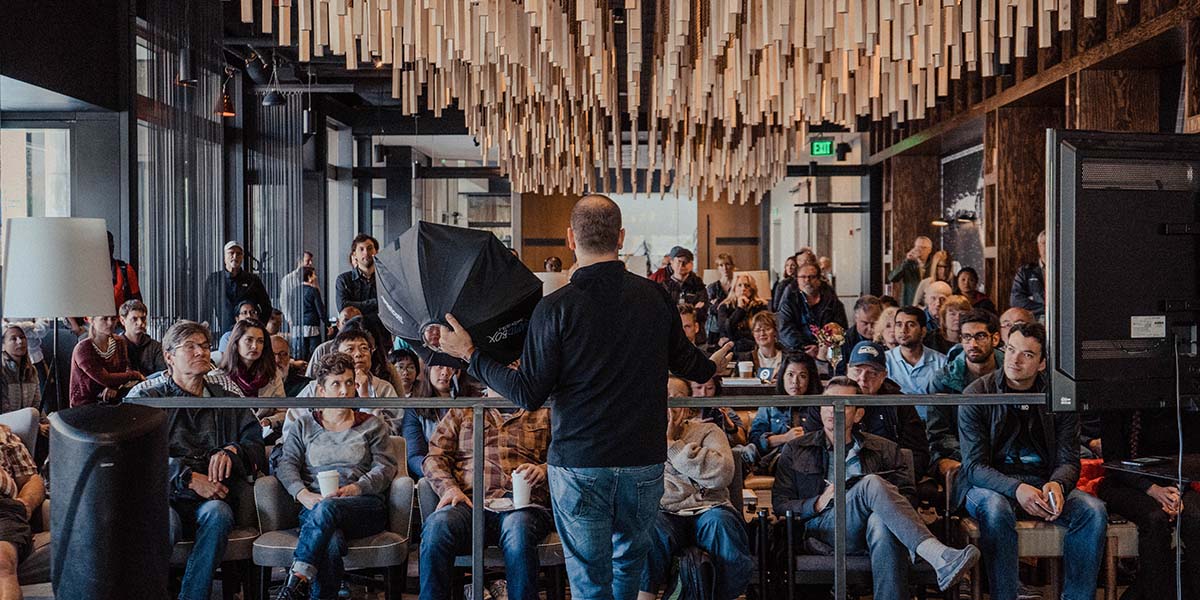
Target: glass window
pixel 35 173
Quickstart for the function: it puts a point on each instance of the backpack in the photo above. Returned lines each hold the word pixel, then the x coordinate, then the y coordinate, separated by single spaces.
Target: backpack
pixel 695 577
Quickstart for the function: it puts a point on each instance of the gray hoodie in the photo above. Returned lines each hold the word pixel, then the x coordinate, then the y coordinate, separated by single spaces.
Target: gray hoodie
pixel 698 471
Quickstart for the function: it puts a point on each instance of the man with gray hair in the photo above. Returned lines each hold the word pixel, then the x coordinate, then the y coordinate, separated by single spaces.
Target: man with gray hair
pixel 601 348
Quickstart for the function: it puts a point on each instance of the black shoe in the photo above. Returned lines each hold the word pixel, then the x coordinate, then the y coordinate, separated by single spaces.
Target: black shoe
pixel 296 588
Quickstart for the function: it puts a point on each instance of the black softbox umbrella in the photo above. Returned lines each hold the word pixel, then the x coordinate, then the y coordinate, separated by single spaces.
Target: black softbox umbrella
pixel 434 269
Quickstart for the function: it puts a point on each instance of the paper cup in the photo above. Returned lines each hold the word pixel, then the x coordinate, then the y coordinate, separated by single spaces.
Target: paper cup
pixel 520 491
pixel 328 480
pixel 745 368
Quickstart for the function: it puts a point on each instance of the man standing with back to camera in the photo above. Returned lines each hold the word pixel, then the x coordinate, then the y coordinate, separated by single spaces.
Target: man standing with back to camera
pixel 601 347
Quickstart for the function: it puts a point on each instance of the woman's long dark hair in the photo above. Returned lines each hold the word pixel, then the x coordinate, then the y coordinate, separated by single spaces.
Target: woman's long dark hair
pixel 231 361
pixel 814 378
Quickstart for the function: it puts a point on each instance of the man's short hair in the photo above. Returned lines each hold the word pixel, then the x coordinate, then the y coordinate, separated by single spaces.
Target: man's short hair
pixel 843 381
pixel 808 265
pixel 252 304
pixel 725 257
pixel 306 272
pixel 915 313
pixel 351 335
pixel 887 301
pixel 132 306
pixel 686 309
pixel 363 237
pixel 985 317
pixel 182 330
pixel 596 223
pixel 1036 331
pixel 334 363
pixel 866 302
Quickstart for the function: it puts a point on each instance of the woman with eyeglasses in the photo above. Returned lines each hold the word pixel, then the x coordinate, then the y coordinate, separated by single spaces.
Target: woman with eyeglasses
pixel 773 427
pixel 768 352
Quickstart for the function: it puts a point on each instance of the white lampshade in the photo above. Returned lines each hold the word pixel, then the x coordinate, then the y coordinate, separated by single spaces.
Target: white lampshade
pixel 551 282
pixel 57 267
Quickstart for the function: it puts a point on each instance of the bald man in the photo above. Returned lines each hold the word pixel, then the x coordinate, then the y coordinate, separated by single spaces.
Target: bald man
pixel 601 348
pixel 1013 316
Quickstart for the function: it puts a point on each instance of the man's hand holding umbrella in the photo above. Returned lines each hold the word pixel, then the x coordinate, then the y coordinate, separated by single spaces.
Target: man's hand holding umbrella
pixel 456 342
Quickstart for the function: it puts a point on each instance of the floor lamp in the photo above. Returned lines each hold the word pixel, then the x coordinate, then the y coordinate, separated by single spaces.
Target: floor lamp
pixel 56 267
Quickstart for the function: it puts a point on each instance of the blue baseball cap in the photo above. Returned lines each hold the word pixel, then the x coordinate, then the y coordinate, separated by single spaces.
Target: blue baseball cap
pixel 868 353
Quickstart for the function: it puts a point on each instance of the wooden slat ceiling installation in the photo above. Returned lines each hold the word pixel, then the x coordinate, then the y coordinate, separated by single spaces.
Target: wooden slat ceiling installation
pixel 733 83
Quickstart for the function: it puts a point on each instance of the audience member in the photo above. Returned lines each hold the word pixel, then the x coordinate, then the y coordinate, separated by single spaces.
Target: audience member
pixel 935 297
pixel 1154 505
pixel 517 442
pixel 289 292
pixel 357 287
pixel 768 352
pixel 212 451
pixel 901 424
pixel 941 269
pixel 880 519
pixel 1029 284
pixel 406 365
pixel 735 311
pixel 786 279
pixel 274 325
pixel 912 270
pixel 695 509
pixel 348 318
pixel 866 313
pixel 951 314
pixel 773 427
pixel 691 327
pixel 227 288
pixel 885 327
pixel 358 345
pixel 356 446
pixel 420 424
pixel 723 417
pixel 1023 462
pixel 292 375
pixel 124 277
pixel 684 286
pixel 18 379
pixel 810 303
pixel 967 284
pixel 247 363
pixel 1011 317
pixel 145 353
pixel 100 370
pixel 247 310
pixel 826 265
pixel 911 364
pixel 22 492
pixel 311 323
pixel 978 355
pixel 888 302
pixel 718 291
pixel 553 264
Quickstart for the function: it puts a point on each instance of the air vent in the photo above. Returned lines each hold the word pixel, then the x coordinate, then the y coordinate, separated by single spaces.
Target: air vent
pixel 1145 176
pixel 1118 349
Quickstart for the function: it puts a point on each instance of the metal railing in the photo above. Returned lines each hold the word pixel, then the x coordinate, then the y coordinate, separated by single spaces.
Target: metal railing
pixel 477 492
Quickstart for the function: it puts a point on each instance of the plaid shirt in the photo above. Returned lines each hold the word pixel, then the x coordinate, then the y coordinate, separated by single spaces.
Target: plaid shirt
pixel 509 440
pixel 15 462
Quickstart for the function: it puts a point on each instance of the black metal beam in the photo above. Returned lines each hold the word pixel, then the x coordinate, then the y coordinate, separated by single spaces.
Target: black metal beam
pixel 423 172
pixel 818 170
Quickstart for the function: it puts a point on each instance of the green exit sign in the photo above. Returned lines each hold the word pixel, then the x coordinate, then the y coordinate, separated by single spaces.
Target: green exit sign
pixel 821 147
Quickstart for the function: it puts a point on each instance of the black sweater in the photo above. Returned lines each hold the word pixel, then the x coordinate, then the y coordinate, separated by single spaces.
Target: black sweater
pixel 600 348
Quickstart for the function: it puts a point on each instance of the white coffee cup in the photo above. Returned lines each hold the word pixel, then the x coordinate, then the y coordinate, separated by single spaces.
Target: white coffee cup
pixel 328 480
pixel 521 490
pixel 745 368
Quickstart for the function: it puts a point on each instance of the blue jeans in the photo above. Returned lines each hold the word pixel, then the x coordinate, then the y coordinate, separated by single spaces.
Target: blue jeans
pixel 719 531
pixel 881 523
pixel 208 523
pixel 1083 515
pixel 447 534
pixel 323 534
pixel 605 516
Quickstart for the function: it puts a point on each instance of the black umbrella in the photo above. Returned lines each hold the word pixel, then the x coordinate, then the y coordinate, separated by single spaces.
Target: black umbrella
pixel 434 269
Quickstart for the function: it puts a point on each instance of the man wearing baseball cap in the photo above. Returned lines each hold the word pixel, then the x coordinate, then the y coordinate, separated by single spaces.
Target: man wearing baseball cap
pixel 684 286
pixel 229 287
pixel 867 365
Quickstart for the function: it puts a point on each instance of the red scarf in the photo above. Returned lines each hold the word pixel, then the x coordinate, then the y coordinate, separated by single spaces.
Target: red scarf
pixel 250 387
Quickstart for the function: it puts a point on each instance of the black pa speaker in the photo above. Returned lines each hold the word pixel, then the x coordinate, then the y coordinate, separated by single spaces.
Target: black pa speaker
pixel 109 518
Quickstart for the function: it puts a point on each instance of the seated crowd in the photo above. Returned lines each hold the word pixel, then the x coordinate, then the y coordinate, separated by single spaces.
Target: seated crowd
pixel 997 463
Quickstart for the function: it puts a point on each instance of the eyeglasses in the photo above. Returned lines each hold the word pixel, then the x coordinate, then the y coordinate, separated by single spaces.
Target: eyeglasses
pixel 763 330
pixel 191 347
pixel 406 368
pixel 979 337
pixel 282 354
pixel 808 277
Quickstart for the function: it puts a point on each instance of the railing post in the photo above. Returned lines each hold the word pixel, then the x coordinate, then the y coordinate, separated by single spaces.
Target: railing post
pixel 477 498
pixel 839 498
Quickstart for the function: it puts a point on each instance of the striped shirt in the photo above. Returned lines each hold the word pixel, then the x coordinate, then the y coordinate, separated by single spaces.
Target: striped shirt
pixel 509 440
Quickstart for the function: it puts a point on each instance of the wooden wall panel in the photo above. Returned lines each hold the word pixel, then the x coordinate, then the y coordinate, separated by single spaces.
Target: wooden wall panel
pixel 1117 100
pixel 1020 150
pixel 734 229
pixel 915 188
pixel 545 218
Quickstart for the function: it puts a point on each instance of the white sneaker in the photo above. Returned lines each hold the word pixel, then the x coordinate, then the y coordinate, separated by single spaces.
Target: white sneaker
pixel 469 593
pixel 499 589
pixel 1029 592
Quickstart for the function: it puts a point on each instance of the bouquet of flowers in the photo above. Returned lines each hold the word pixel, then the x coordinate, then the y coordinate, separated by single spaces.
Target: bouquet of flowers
pixel 831 337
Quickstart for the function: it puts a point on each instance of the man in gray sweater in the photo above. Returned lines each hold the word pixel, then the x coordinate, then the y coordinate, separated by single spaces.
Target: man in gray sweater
pixel 695 507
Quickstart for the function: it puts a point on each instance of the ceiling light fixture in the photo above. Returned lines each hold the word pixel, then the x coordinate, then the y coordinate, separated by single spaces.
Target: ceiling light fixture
pixel 274 97
pixel 225 106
